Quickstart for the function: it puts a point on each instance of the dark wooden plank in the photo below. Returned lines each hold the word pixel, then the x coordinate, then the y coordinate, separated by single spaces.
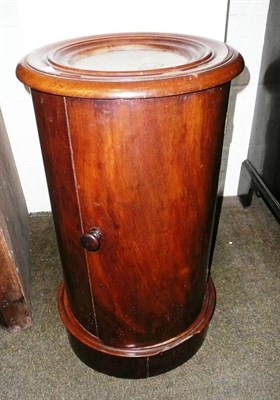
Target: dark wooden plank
pixel 14 243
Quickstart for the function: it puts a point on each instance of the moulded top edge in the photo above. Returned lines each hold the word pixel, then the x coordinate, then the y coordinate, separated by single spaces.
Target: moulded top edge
pixel 130 65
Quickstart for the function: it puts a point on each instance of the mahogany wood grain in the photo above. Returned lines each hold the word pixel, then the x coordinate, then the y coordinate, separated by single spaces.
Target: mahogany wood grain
pixel 147 174
pixel 58 158
pixel 51 69
pixel 140 362
pixel 132 161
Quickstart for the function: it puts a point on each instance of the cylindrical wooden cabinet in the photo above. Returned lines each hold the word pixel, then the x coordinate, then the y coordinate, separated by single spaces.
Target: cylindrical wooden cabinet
pixel 131 129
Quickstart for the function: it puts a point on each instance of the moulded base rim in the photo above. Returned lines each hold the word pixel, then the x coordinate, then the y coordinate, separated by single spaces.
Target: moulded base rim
pixel 137 362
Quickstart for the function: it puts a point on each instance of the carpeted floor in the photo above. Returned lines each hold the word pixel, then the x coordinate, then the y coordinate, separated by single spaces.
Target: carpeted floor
pixel 240 358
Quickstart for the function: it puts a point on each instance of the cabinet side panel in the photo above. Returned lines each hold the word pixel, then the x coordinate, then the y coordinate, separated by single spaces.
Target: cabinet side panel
pixel 51 115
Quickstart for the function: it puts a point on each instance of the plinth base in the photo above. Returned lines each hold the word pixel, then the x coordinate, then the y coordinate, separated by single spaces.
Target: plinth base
pixel 139 362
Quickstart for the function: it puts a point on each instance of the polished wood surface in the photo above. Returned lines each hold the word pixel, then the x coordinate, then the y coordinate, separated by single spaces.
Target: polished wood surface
pixel 132 164
pixel 51 69
pixel 57 154
pixel 140 362
pixel 15 286
pixel 152 196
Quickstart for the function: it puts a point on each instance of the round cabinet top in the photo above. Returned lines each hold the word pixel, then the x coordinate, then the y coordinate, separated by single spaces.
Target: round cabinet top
pixel 132 65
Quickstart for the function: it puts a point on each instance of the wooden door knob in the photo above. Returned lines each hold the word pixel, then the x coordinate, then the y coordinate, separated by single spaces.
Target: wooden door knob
pixel 91 240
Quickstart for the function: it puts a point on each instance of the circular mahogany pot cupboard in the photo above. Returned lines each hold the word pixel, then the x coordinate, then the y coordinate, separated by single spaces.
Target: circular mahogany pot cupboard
pixel 131 129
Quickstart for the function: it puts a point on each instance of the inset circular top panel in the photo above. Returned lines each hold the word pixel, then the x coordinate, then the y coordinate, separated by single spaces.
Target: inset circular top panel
pixel 135 65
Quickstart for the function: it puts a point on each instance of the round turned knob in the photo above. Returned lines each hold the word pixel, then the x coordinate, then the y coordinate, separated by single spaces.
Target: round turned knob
pixel 91 240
